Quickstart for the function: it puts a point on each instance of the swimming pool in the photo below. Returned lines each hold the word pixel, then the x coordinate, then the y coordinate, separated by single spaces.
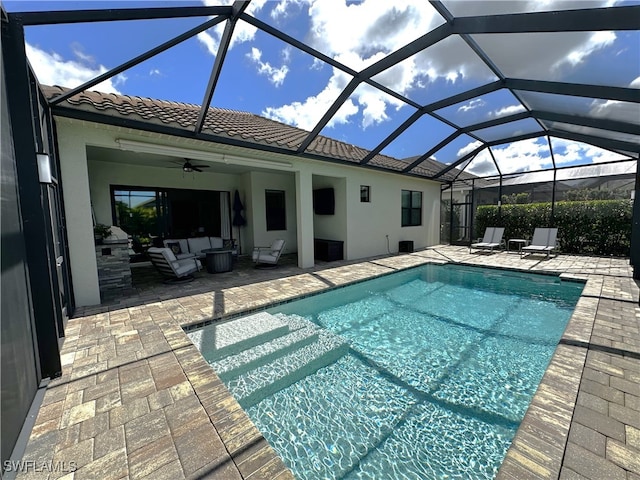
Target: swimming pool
pixel 439 367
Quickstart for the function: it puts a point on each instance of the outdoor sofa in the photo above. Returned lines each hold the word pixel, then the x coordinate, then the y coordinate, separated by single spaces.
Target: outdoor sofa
pixel 189 247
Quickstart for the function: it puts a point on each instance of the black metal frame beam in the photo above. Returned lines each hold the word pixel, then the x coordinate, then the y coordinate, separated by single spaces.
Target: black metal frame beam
pixel 621 94
pixel 425 41
pixel 36 235
pixel 328 115
pixel 109 15
pixel 464 96
pixel 135 61
pixel 461 160
pixel 94 117
pixel 390 138
pixel 237 8
pixel 607 143
pixel 566 167
pixel 601 123
pixel 296 43
pixel 585 20
pixel 428 154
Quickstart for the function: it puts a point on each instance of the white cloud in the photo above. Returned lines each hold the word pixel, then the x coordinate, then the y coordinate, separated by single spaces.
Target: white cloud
pixel 52 69
pixel 155 71
pixel 470 147
pixel 533 154
pixel 509 110
pixel 567 151
pixel 595 42
pixel 243 32
pixel 391 25
pixel 522 156
pixel 306 114
pixel 275 75
pixel 471 105
pixel 635 83
pixel 284 7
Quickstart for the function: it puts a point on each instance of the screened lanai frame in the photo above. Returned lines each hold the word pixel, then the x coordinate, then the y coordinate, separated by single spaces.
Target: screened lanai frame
pixel 540 112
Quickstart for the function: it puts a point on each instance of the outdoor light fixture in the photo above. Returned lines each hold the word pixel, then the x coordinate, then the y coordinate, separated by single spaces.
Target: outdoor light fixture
pixel 44 168
pixel 187 168
pixel 158 149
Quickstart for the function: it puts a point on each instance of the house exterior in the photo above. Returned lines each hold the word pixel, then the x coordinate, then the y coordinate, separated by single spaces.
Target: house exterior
pixel 98 153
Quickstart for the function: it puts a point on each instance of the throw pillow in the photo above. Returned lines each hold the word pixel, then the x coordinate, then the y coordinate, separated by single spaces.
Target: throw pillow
pixel 175 247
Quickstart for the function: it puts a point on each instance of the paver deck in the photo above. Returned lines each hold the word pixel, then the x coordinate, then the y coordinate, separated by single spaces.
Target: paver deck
pixel 137 400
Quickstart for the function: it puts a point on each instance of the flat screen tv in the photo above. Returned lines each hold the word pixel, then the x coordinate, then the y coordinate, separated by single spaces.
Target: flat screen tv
pixel 324 201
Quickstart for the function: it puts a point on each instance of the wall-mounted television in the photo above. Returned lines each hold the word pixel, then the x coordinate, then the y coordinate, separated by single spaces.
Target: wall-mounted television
pixel 324 201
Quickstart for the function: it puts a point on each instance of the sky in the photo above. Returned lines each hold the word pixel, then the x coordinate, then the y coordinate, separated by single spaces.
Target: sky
pixel 268 77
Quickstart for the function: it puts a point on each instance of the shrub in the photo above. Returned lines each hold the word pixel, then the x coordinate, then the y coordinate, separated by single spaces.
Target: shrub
pixel 596 227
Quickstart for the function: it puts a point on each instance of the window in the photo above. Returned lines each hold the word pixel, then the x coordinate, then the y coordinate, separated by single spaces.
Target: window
pixel 411 208
pixel 365 193
pixel 146 213
pixel 275 209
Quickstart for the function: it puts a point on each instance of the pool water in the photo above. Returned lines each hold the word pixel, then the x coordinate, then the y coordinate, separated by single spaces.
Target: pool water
pixel 442 365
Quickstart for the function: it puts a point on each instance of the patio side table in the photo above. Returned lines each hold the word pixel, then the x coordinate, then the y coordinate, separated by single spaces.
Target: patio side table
pixel 521 242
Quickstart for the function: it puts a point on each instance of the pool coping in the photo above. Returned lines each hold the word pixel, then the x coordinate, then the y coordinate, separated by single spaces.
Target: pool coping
pixel 145 354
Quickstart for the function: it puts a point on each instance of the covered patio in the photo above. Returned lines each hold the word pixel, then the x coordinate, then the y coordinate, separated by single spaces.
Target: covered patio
pixel 136 394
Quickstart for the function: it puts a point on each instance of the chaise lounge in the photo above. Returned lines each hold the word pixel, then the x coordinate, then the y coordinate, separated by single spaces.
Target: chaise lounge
pixel 492 239
pixel 544 241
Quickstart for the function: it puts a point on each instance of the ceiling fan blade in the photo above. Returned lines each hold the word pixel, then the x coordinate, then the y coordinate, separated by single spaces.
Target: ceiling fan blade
pixel 201 166
pixel 195 169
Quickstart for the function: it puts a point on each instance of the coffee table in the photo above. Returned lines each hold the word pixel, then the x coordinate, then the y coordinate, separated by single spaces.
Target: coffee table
pixel 218 260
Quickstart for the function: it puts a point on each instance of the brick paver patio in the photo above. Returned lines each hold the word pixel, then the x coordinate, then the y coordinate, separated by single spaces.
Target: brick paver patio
pixel 137 400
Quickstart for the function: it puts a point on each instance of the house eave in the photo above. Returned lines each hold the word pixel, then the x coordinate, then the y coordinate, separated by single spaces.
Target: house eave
pixel 241 146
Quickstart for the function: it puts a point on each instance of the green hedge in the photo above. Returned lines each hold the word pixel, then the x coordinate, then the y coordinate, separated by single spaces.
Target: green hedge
pixel 596 227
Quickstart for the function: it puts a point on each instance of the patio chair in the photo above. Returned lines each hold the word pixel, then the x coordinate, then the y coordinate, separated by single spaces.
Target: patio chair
pixel 168 265
pixel 268 256
pixel 544 241
pixel 492 239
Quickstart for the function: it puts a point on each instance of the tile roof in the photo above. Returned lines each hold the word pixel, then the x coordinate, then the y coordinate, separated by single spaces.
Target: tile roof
pixel 232 124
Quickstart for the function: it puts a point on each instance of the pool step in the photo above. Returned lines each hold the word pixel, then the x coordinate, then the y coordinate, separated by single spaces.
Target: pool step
pixel 220 340
pixel 253 386
pixel 235 365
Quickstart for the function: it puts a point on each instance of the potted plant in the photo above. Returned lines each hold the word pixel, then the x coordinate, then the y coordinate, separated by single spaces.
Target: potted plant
pixel 100 232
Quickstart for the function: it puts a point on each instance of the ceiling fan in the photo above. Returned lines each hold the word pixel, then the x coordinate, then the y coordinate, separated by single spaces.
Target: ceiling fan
pixel 189 167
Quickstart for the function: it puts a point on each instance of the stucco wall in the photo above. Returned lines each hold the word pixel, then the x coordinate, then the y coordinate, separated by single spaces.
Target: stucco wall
pixel 332 227
pixel 104 174
pixel 362 226
pixel 259 182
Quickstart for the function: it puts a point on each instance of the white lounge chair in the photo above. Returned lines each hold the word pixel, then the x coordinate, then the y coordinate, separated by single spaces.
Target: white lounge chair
pixel 176 270
pixel 492 239
pixel 268 256
pixel 544 241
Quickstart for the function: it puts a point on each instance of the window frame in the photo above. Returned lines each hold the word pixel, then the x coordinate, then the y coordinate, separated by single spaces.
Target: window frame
pixel 275 215
pixel 367 197
pixel 411 215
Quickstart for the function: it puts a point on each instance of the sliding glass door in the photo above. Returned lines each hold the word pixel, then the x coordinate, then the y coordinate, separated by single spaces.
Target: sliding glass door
pixel 148 213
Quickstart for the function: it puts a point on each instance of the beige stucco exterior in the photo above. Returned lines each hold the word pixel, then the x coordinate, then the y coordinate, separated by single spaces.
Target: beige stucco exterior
pixel 366 229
